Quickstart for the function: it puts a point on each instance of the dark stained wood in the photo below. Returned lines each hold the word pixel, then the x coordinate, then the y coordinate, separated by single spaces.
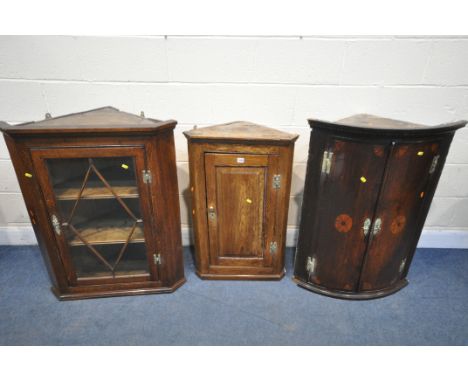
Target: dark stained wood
pixel 369 125
pixel 111 134
pixel 345 295
pixel 380 174
pixel 237 212
pixel 375 122
pixel 403 191
pixel 344 203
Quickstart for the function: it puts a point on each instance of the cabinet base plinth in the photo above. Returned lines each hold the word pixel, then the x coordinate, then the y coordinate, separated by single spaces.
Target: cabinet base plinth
pixel 367 295
pixel 266 277
pixel 115 293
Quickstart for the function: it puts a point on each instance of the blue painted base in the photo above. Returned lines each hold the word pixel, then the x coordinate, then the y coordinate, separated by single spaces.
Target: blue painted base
pixel 431 310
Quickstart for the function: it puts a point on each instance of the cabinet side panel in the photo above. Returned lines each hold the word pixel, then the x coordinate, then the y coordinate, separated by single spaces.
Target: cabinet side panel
pixel 429 195
pixel 310 202
pixel 37 211
pixel 285 164
pixel 198 191
pixel 165 199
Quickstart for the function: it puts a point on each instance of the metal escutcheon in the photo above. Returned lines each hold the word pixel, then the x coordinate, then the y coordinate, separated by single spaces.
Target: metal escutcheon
pixel 366 226
pixel 377 226
pixel 211 212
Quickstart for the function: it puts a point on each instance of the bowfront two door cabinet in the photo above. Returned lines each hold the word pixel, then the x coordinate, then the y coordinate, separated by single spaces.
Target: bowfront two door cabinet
pixel 101 191
pixel 240 175
pixel 369 184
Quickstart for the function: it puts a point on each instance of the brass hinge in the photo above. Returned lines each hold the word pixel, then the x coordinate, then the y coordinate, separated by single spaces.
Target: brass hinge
pixel 435 160
pixel 157 258
pixel 310 266
pixel 276 181
pixel 147 177
pixel 402 265
pixel 56 224
pixel 326 162
pixel 273 247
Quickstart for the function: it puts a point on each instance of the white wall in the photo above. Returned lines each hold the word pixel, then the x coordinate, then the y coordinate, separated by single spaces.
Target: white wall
pixel 275 81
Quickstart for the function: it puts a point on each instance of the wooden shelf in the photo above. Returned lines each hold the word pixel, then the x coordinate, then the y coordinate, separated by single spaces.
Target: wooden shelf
pixel 107 231
pixel 118 274
pixel 103 192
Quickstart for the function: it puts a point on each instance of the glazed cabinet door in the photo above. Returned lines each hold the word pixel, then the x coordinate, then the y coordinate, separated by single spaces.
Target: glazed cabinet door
pixel 410 179
pixel 333 239
pixel 241 200
pixel 100 210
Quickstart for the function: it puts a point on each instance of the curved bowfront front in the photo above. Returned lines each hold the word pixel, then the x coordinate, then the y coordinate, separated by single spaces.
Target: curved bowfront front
pixel 369 184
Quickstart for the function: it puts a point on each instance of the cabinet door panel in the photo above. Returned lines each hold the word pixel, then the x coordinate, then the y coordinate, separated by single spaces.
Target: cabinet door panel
pixel 98 207
pixel 406 183
pixel 238 200
pixel 347 198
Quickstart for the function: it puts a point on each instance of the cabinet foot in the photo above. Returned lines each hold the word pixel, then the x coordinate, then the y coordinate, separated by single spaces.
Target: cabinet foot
pixel 366 295
pixel 267 277
pixel 115 293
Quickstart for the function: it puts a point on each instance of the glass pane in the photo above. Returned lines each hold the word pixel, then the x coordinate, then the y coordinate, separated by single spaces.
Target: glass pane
pixel 87 265
pixel 99 209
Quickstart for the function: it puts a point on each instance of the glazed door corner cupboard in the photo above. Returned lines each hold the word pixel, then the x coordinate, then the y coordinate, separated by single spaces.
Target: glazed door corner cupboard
pixel 368 188
pixel 100 188
pixel 240 176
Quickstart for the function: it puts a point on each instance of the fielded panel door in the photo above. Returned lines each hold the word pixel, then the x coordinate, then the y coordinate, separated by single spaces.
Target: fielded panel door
pixel 350 179
pixel 408 180
pixel 241 202
pixel 100 210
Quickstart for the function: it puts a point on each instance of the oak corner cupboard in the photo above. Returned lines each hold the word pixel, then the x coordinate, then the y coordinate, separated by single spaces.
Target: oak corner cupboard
pixel 369 184
pixel 240 176
pixel 101 191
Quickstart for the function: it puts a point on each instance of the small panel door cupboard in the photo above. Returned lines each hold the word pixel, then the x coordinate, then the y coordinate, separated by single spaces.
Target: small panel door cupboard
pixel 369 184
pixel 240 175
pixel 101 191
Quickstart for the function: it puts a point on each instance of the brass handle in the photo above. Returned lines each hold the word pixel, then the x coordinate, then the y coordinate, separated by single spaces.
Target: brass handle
pixel 211 212
pixel 56 224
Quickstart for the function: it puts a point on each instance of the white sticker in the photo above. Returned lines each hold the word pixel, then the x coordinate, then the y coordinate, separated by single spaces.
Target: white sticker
pixel 240 160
